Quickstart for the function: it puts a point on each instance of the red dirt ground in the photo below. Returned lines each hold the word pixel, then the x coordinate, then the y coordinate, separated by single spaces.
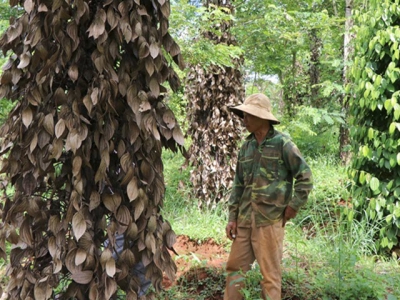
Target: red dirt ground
pixel 195 259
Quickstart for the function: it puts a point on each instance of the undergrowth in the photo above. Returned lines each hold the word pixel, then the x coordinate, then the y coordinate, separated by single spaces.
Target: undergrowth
pixel 326 256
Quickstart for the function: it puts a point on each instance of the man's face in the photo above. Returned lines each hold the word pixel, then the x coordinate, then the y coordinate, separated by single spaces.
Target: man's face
pixel 253 123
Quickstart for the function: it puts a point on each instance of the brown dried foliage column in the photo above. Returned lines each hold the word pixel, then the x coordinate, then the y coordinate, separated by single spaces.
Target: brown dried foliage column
pixel 83 146
pixel 214 130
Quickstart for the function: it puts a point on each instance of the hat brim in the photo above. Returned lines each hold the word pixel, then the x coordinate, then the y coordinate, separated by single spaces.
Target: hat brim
pixel 238 110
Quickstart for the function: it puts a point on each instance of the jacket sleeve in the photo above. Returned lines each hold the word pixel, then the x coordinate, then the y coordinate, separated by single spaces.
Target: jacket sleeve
pixel 301 172
pixel 237 191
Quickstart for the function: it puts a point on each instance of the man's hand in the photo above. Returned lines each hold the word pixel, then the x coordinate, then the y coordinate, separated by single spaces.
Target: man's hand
pixel 231 230
pixel 290 213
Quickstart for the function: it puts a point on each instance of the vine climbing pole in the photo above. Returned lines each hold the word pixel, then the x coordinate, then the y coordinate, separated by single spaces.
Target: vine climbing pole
pixel 212 127
pixel 82 147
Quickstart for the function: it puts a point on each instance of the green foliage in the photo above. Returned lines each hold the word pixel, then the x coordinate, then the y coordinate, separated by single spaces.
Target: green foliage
pixel 6 12
pixel 188 25
pixel 277 39
pixel 375 111
pixel 315 130
pixel 328 193
pixel 265 85
pixel 5 108
pixel 177 103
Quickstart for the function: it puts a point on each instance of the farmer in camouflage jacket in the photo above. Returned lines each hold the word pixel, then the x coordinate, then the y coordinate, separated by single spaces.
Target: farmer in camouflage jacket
pixel 269 168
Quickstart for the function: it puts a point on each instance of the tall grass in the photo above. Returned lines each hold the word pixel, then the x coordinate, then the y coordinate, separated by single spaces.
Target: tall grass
pixel 181 209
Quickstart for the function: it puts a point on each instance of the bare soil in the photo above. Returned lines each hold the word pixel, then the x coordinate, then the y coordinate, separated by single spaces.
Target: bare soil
pixel 196 261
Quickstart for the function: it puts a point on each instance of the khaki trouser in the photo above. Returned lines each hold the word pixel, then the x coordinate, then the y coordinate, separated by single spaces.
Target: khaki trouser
pixel 263 244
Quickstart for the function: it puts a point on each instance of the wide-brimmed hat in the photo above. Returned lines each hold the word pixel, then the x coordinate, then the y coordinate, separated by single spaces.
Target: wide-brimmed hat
pixel 257 105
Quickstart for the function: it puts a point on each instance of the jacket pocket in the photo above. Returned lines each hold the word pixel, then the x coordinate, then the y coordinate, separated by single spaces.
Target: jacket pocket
pixel 246 164
pixel 269 163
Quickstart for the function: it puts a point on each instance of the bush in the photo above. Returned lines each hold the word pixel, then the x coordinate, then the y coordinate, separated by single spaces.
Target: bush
pixel 315 131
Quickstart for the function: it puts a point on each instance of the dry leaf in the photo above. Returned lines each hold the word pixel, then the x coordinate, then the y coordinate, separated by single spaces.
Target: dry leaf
pixel 110 267
pixel 82 277
pixel 78 225
pixel 80 256
pixel 132 189
pixel 49 124
pixel 27 116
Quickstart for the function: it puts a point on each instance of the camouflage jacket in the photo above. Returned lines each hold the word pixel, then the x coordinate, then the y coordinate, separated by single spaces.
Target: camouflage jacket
pixel 266 175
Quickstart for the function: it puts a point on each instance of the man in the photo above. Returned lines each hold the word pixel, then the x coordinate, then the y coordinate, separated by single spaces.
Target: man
pixel 139 270
pixel 269 167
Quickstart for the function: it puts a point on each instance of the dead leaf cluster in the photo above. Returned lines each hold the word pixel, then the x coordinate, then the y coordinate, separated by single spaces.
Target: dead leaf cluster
pixel 82 146
pixel 214 130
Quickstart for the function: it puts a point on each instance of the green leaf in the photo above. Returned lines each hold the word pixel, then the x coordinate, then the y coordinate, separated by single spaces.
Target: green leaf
pixel 390 184
pixel 396 112
pixel 372 214
pixel 374 184
pixel 398 158
pixel 375 95
pixel 379 151
pixel 378 48
pixel 350 215
pixel 389 219
pixel 390 87
pixel 384 242
pixel 328 119
pixel 377 206
pixel 370 133
pixel 392 160
pixel 362 177
pixel 397 211
pixel 372 203
pixel 388 105
pixel 365 151
pixel 392 128
pixel 378 81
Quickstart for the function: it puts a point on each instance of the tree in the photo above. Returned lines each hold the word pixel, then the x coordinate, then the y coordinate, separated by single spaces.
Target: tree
pixel 375 114
pixel 214 131
pixel 299 42
pixel 82 146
